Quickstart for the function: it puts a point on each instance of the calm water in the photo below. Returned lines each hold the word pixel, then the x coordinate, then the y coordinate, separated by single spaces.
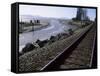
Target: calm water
pixel 54 28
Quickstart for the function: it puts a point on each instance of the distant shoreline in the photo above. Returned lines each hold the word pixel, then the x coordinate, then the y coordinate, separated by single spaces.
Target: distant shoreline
pixel 35 29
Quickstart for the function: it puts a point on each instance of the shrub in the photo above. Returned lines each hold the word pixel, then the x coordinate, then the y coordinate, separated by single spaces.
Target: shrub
pixel 74 19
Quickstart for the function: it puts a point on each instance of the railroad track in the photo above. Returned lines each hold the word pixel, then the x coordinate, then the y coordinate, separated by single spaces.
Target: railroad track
pixel 67 54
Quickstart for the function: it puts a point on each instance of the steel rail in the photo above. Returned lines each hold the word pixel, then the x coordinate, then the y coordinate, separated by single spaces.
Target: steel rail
pixel 66 52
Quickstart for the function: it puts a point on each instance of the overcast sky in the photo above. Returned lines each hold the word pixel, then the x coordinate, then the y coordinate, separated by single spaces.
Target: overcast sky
pixel 51 11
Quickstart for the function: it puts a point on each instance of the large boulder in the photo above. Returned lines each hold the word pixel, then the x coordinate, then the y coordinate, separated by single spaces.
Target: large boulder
pixel 38 41
pixel 28 47
pixel 20 53
pixel 52 39
pixel 41 43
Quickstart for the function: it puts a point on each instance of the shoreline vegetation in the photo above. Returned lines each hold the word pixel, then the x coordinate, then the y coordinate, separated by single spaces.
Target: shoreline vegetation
pixel 28 27
pixel 35 55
